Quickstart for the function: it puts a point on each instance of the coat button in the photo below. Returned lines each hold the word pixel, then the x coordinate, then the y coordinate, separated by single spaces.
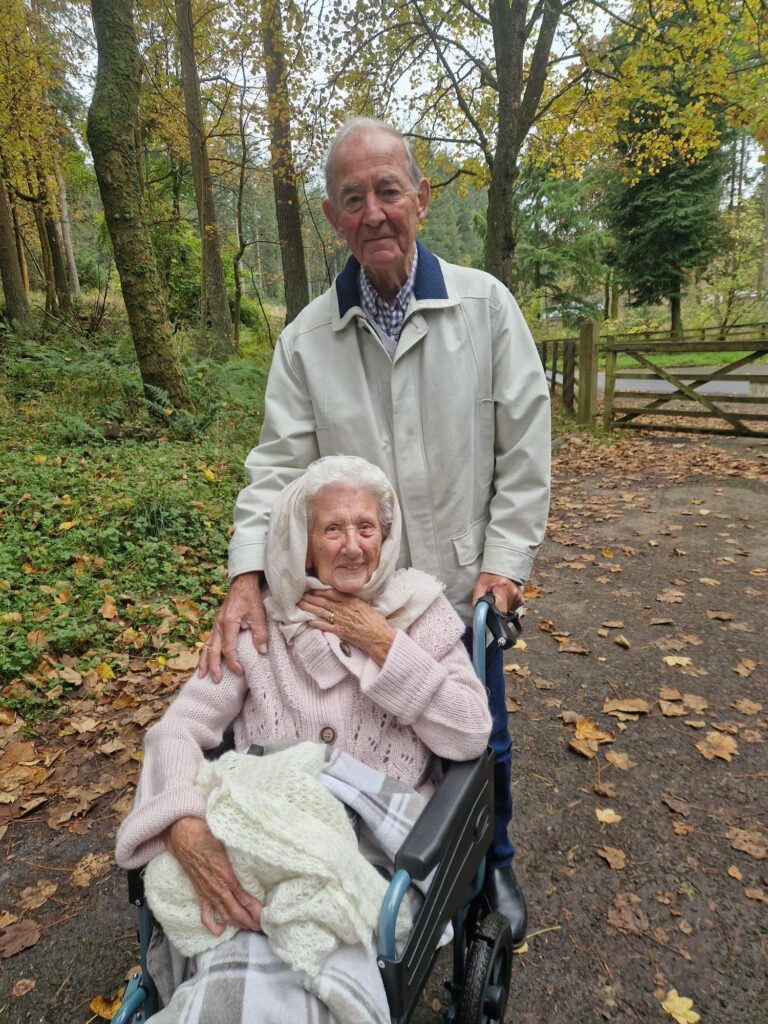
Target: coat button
pixel 327 734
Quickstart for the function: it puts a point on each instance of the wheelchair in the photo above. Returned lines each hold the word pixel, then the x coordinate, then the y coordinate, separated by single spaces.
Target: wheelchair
pixel 451 838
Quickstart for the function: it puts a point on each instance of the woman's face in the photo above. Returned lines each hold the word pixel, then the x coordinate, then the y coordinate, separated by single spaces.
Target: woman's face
pixel 345 538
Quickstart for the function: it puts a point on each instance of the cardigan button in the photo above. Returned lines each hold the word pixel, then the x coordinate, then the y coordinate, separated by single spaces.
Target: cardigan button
pixel 327 734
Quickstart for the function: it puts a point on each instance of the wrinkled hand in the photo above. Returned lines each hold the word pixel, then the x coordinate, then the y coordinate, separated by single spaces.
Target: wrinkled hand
pixel 222 899
pixel 350 618
pixel 243 608
pixel 508 594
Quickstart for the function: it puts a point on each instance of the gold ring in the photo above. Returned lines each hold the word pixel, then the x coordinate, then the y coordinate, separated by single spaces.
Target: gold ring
pixel 331 617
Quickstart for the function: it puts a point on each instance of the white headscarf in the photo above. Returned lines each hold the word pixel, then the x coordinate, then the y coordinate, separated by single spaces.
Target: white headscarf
pixel 401 597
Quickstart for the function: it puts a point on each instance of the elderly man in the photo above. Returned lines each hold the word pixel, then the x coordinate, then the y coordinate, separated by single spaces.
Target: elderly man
pixel 428 370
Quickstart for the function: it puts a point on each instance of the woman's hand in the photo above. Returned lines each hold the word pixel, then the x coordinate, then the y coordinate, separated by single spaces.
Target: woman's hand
pixel 350 618
pixel 222 899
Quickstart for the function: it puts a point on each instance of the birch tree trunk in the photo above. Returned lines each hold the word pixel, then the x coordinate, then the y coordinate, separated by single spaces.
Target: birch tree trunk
pixel 284 178
pixel 213 288
pixel 112 118
pixel 16 305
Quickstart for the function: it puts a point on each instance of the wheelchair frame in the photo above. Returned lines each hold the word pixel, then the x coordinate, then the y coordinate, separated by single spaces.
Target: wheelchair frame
pixel 451 837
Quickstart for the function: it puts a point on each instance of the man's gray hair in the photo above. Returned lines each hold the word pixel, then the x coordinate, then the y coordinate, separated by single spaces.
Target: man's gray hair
pixel 351 471
pixel 358 126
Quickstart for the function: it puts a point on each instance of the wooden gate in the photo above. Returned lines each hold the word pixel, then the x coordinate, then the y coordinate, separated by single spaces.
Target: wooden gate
pixel 667 396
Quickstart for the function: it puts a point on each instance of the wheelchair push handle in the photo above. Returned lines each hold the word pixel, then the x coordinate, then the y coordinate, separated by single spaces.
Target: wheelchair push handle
pixel 505 629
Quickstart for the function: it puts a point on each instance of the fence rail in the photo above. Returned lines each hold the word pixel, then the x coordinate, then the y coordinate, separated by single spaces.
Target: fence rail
pixel 571 367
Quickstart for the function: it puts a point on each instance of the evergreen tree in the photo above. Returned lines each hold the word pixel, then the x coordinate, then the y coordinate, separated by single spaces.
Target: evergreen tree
pixel 665 225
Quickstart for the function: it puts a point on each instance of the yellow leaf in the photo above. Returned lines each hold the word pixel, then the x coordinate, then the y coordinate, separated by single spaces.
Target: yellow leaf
pixel 622 641
pixel 10 618
pixel 109 608
pixel 735 873
pixel 40 459
pixel 106 1008
pixel 629 705
pixel 745 668
pixel 680 1008
pixel 747 707
pixel 607 815
pixel 717 744
pixel 68 525
pixel 676 659
pixel 621 761
pixel 93 865
pixel 104 672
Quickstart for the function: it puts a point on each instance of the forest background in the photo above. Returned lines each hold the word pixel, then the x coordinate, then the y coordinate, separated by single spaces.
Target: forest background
pixel 160 219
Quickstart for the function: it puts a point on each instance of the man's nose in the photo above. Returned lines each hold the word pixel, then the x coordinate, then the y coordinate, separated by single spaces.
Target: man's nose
pixel 372 211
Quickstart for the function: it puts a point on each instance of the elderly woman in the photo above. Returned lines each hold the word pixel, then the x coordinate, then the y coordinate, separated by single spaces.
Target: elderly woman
pixel 361 657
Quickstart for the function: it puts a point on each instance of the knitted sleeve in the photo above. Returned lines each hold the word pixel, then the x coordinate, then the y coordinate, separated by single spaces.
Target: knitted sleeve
pixel 173 749
pixel 429 684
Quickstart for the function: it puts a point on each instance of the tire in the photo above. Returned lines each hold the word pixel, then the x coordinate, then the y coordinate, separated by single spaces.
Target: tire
pixel 485 991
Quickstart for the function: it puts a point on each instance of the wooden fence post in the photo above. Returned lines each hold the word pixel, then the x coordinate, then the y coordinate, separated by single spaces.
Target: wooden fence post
pixel 588 353
pixel 610 385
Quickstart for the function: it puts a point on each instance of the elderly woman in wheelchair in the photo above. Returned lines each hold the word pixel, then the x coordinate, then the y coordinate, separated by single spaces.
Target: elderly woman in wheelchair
pixel 367 663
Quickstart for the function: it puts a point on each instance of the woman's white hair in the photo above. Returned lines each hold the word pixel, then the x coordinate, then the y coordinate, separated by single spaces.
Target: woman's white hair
pixel 351 471
pixel 359 126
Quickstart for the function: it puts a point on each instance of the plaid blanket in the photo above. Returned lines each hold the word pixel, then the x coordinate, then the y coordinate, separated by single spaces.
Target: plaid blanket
pixel 242 980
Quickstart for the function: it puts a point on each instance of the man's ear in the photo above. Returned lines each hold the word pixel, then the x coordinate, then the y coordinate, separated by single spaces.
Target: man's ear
pixel 331 215
pixel 424 191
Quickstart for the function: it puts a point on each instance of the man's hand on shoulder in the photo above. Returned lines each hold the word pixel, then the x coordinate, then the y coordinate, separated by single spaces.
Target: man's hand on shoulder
pixel 243 608
pixel 508 594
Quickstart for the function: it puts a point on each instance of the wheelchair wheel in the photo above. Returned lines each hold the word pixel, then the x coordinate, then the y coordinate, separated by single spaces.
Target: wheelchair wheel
pixel 486 980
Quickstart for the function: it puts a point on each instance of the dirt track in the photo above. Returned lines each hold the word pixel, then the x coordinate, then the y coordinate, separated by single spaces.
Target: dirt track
pixel 645 530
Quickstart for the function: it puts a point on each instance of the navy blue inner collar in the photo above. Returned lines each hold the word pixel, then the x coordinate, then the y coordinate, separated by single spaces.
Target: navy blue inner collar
pixel 428 284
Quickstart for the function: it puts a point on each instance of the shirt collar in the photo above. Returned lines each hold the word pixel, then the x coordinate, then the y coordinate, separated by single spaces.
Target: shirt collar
pixel 429 282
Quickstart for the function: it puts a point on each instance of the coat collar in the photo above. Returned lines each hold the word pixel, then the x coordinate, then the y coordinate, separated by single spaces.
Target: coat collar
pixel 429 283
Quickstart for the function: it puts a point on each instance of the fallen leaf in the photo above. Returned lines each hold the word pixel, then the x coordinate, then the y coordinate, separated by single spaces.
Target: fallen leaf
pixel 622 641
pixel 746 706
pixel 92 866
pixel 617 859
pixel 614 624
pixel 607 816
pixel 661 622
pixel 708 581
pixel 571 647
pixel 108 608
pixel 696 723
pixel 685 926
pixel 670 596
pixel 618 760
pixel 627 914
pixel 680 1008
pixel 629 705
pixel 512 705
pixel 23 986
pixel 605 789
pixel 184 662
pixel 735 873
pixel 719 617
pixel 18 937
pixel 676 659
pixel 36 895
pixel 6 918
pixel 745 668
pixel 105 1008
pixel 676 803
pixel 680 828
pixel 717 744
pixel 749 841
pixel 670 710
pixel 695 703
pixel 670 693
pixel 756 894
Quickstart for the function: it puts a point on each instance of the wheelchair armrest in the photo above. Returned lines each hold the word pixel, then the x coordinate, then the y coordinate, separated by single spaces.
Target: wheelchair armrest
pixel 444 817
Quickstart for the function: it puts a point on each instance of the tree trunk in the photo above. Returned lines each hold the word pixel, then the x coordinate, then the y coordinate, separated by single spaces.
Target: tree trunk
pixel 518 102
pixel 51 301
pixel 762 273
pixel 284 178
pixel 213 288
pixel 112 118
pixel 16 305
pixel 74 280
pixel 56 247
pixel 615 293
pixel 676 319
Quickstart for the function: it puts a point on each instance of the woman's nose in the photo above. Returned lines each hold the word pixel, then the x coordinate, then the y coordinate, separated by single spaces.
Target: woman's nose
pixel 351 541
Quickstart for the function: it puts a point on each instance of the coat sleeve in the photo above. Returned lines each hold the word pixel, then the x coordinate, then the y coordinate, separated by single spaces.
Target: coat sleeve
pixel 522 445
pixel 287 445
pixel 173 750
pixel 428 683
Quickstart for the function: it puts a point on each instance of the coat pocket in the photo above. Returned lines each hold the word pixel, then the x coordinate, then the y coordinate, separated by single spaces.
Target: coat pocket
pixel 470 544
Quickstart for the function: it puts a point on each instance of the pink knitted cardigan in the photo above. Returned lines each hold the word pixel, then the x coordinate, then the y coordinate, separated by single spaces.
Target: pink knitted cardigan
pixel 425 699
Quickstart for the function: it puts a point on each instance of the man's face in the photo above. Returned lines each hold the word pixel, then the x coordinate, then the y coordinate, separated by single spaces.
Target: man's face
pixel 375 208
